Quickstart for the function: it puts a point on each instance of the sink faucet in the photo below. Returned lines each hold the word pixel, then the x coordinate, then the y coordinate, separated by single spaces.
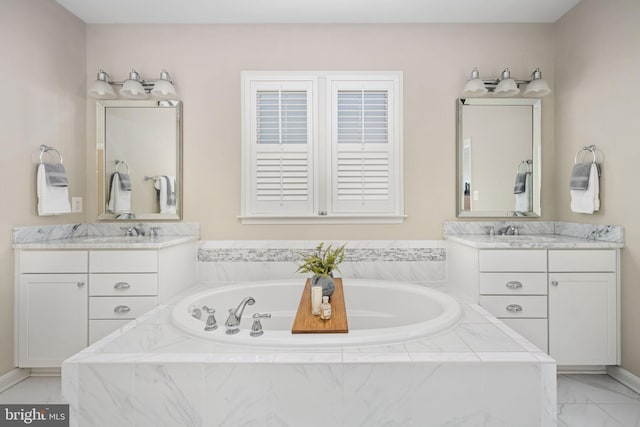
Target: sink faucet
pixel 509 230
pixel 134 230
pixel 235 315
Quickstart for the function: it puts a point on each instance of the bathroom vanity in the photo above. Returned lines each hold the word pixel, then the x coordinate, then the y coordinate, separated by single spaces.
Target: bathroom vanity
pixel 560 292
pixel 72 292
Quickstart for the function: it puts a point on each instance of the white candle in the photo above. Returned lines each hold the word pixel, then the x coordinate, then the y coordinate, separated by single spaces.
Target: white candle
pixel 316 299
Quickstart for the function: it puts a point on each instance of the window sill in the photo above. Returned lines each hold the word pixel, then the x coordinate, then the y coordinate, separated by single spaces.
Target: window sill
pixel 323 219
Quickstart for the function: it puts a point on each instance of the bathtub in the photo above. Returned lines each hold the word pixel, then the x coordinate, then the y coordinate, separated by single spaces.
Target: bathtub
pixel 378 312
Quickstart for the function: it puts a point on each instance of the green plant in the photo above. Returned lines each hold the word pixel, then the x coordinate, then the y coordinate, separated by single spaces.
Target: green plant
pixel 322 261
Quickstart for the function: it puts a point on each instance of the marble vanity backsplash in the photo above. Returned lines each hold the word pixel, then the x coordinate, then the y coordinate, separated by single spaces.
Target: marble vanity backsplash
pixel 606 233
pixel 66 231
pixel 404 260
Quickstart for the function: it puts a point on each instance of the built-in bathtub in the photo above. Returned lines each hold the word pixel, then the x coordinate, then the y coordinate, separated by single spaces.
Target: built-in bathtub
pixel 379 312
pixel 474 372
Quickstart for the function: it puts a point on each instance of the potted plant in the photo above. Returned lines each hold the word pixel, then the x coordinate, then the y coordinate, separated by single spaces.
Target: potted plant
pixel 321 263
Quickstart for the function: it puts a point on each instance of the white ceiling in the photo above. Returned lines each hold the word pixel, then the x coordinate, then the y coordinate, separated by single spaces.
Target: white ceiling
pixel 318 11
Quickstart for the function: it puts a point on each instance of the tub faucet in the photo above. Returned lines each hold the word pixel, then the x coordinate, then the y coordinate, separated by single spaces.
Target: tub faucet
pixel 235 315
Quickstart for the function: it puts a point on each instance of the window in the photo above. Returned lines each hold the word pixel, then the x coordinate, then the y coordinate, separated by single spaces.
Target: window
pixel 321 147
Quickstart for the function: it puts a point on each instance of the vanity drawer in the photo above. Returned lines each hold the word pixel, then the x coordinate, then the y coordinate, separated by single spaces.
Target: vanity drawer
pixel 513 283
pixel 506 306
pixel 582 260
pixel 128 261
pixel 513 260
pixel 534 330
pixel 123 284
pixel 53 262
pixel 99 329
pixel 120 307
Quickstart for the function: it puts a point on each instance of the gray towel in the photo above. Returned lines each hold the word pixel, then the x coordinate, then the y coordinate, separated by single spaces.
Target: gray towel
pixel 521 181
pixel 580 176
pixel 171 191
pixel 56 175
pixel 125 181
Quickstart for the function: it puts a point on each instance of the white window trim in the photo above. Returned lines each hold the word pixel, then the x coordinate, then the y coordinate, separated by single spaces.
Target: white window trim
pixel 321 141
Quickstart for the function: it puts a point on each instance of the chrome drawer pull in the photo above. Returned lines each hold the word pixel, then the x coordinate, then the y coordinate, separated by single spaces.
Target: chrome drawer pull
pixel 122 309
pixel 554 283
pixel 80 284
pixel 514 284
pixel 514 308
pixel 121 285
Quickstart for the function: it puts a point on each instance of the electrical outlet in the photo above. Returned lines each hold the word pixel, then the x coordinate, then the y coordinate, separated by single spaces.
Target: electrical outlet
pixel 76 204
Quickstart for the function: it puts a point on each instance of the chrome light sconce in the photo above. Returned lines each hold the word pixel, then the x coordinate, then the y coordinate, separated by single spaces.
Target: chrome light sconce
pixel 134 87
pixel 505 85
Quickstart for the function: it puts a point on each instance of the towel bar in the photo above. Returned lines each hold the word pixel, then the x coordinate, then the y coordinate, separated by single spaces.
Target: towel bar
pixel 589 148
pixel 45 148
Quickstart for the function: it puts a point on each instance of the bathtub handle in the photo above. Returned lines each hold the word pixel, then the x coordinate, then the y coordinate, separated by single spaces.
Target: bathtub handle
pixel 211 324
pixel 514 308
pixel 514 284
pixel 256 328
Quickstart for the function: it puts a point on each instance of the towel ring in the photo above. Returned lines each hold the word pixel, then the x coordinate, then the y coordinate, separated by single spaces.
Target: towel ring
pixel 121 162
pixel 527 166
pixel 589 148
pixel 45 148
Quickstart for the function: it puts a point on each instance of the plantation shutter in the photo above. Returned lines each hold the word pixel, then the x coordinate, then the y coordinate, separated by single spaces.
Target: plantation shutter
pixel 281 149
pixel 362 148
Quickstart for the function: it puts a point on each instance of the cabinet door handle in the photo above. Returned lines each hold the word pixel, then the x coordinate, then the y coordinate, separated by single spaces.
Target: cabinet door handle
pixel 554 282
pixel 122 309
pixel 514 284
pixel 514 308
pixel 80 284
pixel 121 285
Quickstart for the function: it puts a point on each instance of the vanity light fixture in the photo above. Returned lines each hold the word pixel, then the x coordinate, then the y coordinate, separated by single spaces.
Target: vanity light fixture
pixel 135 87
pixel 505 85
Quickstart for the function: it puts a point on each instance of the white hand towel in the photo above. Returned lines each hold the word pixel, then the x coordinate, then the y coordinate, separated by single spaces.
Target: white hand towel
pixel 587 201
pixel 52 200
pixel 160 184
pixel 119 199
pixel 523 199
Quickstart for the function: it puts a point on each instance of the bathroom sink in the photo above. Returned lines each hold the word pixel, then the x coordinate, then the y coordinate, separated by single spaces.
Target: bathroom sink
pixel 526 238
pixel 118 239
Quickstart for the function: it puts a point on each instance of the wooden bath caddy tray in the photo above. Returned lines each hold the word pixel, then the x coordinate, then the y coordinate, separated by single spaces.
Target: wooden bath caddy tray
pixel 307 323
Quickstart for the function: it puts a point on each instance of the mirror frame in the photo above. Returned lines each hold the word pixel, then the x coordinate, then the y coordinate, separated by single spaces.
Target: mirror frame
pixel 536 152
pixel 101 110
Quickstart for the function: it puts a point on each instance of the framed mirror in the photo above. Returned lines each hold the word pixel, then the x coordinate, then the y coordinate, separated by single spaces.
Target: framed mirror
pixel 139 160
pixel 499 157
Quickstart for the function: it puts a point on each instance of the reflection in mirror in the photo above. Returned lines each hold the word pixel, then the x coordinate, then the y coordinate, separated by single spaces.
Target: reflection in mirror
pixel 499 170
pixel 139 145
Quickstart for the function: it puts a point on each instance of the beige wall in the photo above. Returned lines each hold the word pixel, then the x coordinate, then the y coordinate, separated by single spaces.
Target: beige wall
pixel 206 60
pixel 597 70
pixel 43 57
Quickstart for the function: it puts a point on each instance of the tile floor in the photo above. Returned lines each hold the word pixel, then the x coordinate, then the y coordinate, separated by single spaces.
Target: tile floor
pixel 583 400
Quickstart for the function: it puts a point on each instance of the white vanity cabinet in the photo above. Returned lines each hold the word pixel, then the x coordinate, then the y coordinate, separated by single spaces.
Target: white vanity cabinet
pixel 565 301
pixel 123 286
pixel 51 302
pixel 513 287
pixel 68 299
pixel 583 307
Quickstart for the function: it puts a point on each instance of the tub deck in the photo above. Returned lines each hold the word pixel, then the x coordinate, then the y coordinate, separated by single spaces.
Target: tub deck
pixel 150 373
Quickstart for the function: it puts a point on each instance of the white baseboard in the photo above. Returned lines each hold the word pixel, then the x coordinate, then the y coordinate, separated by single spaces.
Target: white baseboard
pixel 625 377
pixel 45 372
pixel 13 377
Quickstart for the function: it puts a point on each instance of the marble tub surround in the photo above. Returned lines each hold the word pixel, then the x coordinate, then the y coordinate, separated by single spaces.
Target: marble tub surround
pixel 479 372
pixel 102 236
pixel 403 260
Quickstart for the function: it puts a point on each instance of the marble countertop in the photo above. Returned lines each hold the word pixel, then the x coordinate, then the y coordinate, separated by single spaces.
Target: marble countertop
pixel 532 241
pixel 108 242
pixel 478 337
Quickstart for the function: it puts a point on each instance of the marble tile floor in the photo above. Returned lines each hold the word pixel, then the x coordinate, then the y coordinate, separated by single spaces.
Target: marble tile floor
pixel 583 400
